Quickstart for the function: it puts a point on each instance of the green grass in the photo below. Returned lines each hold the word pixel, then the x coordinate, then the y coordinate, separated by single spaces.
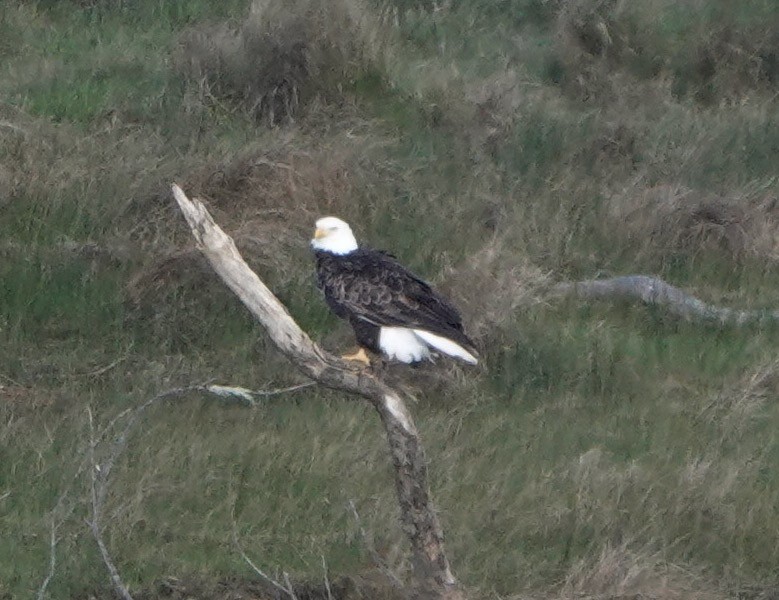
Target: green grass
pixel 589 429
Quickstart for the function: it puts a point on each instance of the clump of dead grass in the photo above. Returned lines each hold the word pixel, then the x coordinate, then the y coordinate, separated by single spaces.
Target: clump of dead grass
pixel 673 218
pixel 498 283
pixel 621 573
pixel 711 52
pixel 587 48
pixel 608 495
pixel 281 57
pixel 735 409
pixel 268 201
pixel 726 61
pixel 585 27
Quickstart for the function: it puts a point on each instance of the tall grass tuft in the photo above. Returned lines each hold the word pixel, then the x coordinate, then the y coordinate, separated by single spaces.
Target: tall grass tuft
pixel 279 58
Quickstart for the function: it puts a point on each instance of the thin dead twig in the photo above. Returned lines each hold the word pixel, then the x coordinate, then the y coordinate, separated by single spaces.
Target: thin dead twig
pixel 99 371
pixel 290 589
pixel 94 522
pixel 287 590
pixel 52 561
pixel 13 127
pixel 327 579
pixel 251 396
pixel 121 441
pixel 56 519
pixel 273 164
pixel 12 381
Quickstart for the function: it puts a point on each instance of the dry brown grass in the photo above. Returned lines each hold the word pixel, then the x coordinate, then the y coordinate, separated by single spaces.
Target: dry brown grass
pixel 734 410
pixel 267 200
pixel 25 396
pixel 620 573
pixel 715 58
pixel 496 283
pixel 648 488
pixel 729 62
pixel 672 218
pixel 279 59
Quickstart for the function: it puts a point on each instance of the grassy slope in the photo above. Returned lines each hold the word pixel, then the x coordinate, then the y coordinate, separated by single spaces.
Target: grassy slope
pixel 589 428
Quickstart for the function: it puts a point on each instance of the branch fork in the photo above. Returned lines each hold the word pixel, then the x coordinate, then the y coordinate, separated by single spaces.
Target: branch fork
pixel 433 575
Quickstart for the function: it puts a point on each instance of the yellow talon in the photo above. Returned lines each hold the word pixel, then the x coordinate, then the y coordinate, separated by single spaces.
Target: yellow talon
pixel 359 356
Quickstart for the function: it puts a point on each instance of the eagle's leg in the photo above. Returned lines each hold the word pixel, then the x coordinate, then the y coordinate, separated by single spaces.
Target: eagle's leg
pixel 359 356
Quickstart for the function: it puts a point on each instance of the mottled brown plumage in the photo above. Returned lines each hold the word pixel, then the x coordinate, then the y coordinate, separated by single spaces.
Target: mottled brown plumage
pixel 371 289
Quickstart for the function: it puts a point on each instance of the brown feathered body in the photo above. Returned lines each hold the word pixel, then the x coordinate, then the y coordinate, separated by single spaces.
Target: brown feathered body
pixel 379 297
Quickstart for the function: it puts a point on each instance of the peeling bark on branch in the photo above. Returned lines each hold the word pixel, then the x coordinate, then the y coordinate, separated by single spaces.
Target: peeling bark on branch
pixel 418 516
pixel 654 291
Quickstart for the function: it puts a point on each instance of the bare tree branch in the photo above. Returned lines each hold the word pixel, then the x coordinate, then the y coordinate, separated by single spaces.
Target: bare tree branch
pixel 251 396
pixel 654 291
pixel 290 589
pixel 418 516
pixel 121 440
pixel 94 522
pixel 52 559
pixel 64 506
pixel 327 579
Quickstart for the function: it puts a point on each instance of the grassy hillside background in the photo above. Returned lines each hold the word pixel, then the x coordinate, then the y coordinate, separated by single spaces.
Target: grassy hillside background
pixel 602 451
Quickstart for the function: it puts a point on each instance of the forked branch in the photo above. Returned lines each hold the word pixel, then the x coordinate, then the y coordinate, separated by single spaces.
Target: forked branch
pixel 420 522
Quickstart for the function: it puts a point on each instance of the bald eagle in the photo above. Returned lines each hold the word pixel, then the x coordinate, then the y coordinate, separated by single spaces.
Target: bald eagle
pixel 392 311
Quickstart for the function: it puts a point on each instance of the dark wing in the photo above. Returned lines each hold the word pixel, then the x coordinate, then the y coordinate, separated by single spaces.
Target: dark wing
pixel 376 288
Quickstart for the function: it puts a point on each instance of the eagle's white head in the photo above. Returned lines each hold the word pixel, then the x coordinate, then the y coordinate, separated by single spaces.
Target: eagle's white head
pixel 333 235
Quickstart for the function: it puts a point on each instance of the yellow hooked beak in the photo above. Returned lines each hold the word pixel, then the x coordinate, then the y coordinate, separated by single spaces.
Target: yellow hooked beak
pixel 319 233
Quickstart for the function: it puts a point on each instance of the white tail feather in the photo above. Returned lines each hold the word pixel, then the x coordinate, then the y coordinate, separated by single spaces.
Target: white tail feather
pixel 446 346
pixel 401 344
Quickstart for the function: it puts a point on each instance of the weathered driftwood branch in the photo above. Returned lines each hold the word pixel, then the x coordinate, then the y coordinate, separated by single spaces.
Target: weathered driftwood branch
pixel 653 291
pixel 418 516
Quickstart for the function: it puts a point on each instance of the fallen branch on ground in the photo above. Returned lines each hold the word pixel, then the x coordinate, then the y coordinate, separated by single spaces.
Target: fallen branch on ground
pixel 654 291
pixel 420 521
